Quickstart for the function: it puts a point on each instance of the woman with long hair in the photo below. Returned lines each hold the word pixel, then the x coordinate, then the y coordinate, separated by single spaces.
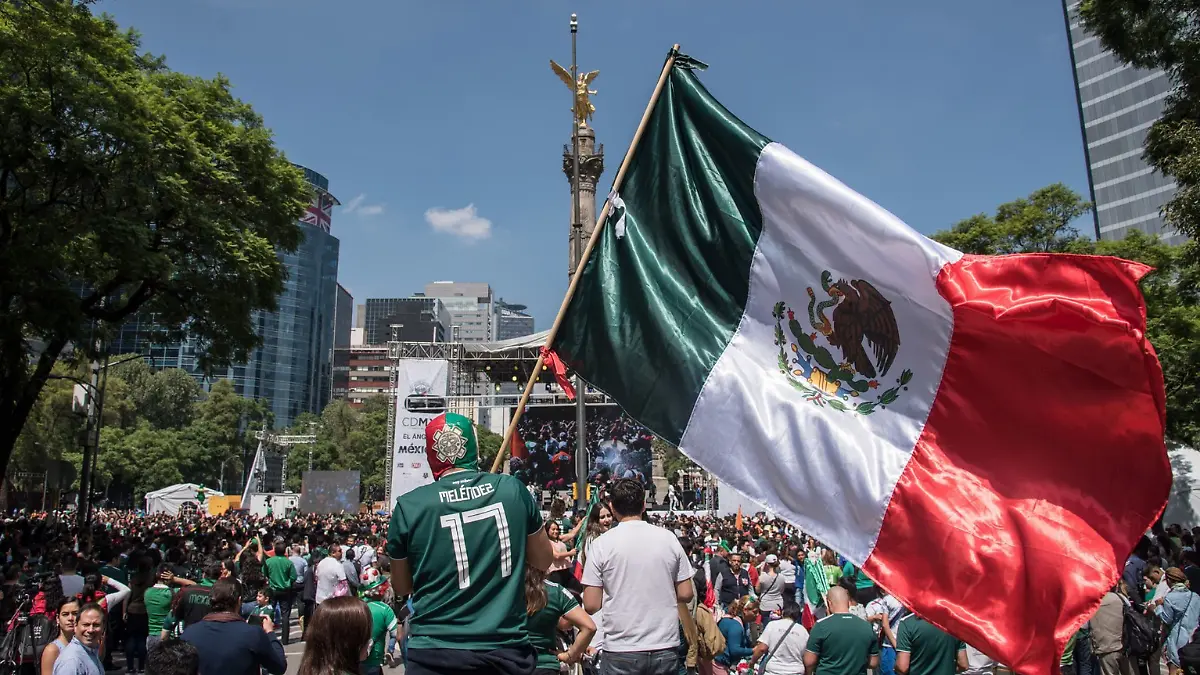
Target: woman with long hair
pixel 338 639
pixel 546 603
pixel 560 569
pixel 737 637
pixel 137 626
pixel 67 611
pixel 94 591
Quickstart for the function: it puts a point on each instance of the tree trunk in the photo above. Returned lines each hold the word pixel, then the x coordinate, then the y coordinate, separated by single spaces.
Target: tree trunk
pixel 19 391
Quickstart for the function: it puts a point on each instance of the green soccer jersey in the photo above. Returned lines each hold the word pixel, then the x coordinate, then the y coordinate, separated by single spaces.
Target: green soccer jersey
pixel 464 539
pixel 931 650
pixel 383 621
pixel 543 625
pixel 844 643
pixel 158 606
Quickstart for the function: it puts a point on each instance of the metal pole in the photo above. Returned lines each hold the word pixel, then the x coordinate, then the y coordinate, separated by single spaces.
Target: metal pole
pixel 581 456
pixel 85 474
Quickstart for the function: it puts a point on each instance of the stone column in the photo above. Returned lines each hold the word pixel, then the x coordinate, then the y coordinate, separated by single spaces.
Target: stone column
pixel 591 165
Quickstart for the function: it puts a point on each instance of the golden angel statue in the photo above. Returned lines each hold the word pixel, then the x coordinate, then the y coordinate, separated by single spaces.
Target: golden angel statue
pixel 583 102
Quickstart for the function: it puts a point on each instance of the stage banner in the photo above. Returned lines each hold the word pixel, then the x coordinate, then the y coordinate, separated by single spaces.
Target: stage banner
pixel 420 396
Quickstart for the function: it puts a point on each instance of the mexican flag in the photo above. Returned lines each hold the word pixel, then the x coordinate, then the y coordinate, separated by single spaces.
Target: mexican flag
pixel 983 436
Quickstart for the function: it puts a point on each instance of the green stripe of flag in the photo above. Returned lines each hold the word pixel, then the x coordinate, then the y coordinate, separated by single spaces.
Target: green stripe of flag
pixel 655 308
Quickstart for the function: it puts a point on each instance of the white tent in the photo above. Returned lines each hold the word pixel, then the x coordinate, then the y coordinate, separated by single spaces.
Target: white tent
pixel 170 499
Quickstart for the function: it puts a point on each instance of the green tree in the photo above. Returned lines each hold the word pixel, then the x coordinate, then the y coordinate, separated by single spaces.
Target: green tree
pixel 1170 291
pixel 1038 223
pixel 1162 35
pixel 126 187
pixel 489 445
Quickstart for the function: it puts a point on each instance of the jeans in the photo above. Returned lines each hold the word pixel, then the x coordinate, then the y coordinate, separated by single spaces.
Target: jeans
pixel 1085 661
pixel 887 660
pixel 370 670
pixel 657 662
pixel 136 629
pixel 283 609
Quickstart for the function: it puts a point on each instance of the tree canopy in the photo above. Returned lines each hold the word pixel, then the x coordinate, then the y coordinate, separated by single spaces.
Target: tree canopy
pixel 126 187
pixel 1042 223
pixel 1162 35
pixel 159 428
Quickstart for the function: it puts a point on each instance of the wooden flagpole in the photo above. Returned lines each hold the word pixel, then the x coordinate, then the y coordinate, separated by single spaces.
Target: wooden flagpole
pixel 587 252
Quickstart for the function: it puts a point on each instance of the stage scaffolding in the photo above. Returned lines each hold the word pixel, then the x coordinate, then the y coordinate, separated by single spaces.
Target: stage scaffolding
pixel 486 379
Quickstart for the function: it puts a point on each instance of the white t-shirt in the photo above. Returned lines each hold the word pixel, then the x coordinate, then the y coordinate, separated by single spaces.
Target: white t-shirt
pixel 329 573
pixel 638 564
pixel 979 663
pixel 789 657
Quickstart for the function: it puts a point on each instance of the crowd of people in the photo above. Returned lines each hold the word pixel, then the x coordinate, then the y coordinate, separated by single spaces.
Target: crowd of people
pixel 467 575
pixel 618 447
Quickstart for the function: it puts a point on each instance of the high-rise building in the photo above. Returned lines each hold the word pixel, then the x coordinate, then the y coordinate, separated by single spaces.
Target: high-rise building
pixel 512 321
pixel 1117 106
pixel 361 372
pixel 472 308
pixel 293 369
pixel 420 319
pixel 343 317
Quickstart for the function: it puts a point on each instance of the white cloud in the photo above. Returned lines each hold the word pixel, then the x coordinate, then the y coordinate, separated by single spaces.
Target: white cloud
pixel 464 223
pixel 356 205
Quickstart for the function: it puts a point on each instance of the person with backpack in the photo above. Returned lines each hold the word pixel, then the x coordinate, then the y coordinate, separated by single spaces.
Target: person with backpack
pixel 701 636
pixel 1107 629
pixel 1180 613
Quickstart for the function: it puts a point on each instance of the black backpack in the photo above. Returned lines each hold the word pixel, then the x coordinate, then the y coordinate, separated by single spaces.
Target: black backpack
pixel 1142 635
pixel 26 641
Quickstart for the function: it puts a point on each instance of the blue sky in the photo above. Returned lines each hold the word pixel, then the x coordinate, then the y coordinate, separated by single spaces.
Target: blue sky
pixel 445 112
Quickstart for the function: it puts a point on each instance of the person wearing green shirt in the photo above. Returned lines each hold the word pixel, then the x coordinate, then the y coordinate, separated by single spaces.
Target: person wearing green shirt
pixel 384 623
pixel 924 649
pixel 459 545
pixel 864 589
pixel 158 600
pixel 281 578
pixel 841 643
pixel 546 603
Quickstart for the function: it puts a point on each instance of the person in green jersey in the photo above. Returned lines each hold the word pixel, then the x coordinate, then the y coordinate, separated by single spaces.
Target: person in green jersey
pixel 924 649
pixel 841 643
pixel 460 546
pixel 157 600
pixel 384 623
pixel 281 577
pixel 546 602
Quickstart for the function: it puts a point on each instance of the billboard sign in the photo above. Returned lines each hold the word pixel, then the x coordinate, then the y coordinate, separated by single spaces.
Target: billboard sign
pixel 420 396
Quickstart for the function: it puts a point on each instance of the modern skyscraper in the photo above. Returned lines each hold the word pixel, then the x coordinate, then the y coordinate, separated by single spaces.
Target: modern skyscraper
pixel 1117 105
pixel 512 321
pixel 472 308
pixel 421 319
pixel 293 369
pixel 343 317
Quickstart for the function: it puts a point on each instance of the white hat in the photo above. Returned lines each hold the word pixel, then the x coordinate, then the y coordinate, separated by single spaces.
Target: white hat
pixel 772 559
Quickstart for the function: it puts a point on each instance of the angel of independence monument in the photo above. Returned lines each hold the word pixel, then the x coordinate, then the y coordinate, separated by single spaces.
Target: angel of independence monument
pixel 478 376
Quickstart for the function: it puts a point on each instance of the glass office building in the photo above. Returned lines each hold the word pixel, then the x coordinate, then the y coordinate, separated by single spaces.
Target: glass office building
pixel 293 369
pixel 1117 105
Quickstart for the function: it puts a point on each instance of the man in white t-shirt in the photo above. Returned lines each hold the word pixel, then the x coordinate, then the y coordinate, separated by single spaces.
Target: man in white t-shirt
pixel 782 642
pixel 638 574
pixel 331 575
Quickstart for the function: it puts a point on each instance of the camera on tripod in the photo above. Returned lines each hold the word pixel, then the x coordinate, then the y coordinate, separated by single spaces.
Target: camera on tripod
pixel 27 635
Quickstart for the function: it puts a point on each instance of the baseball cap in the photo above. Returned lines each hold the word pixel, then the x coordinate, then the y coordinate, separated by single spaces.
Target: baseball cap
pixel 772 558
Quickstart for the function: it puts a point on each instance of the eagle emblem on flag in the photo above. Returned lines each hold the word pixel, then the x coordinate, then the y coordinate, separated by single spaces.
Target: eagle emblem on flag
pixel 449 444
pixel 839 359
